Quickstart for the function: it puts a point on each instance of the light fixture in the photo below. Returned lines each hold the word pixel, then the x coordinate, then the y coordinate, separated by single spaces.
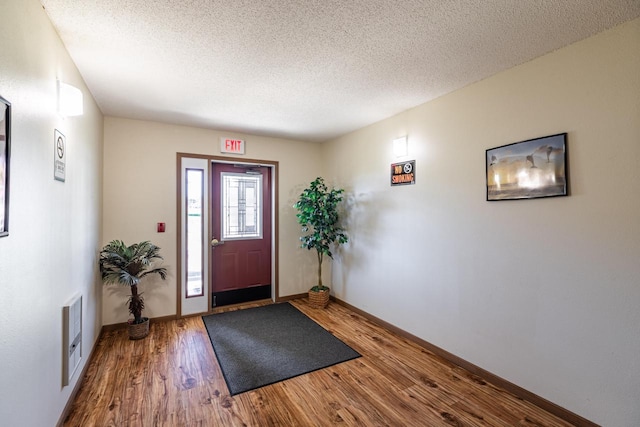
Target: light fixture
pixel 70 102
pixel 400 146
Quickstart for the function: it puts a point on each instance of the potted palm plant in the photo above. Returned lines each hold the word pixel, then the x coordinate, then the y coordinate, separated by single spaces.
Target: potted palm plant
pixel 127 265
pixel 318 215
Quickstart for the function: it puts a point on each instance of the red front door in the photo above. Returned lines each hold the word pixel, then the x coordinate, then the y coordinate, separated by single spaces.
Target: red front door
pixel 241 233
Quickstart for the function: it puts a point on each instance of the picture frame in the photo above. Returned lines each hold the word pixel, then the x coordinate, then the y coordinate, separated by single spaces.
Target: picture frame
pixel 5 156
pixel 528 169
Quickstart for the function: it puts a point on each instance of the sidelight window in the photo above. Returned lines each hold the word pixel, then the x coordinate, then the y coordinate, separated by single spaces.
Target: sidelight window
pixel 194 232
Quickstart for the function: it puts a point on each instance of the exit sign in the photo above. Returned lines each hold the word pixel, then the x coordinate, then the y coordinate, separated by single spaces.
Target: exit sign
pixel 230 145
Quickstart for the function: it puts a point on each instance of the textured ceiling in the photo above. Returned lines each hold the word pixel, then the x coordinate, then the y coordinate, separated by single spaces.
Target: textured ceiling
pixel 306 69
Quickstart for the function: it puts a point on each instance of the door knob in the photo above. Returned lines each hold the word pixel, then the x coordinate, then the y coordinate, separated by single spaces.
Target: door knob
pixel 216 242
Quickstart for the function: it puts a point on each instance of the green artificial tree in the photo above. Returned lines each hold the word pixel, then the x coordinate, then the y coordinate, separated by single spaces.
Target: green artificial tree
pixel 318 215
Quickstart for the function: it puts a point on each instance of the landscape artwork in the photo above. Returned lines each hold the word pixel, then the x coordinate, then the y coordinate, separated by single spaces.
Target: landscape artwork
pixel 528 169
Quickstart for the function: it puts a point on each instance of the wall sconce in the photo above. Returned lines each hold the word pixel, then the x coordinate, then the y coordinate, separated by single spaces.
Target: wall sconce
pixel 70 101
pixel 400 146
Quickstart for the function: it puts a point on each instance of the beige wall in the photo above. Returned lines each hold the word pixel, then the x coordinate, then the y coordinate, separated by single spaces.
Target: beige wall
pixel 543 293
pixel 51 252
pixel 140 190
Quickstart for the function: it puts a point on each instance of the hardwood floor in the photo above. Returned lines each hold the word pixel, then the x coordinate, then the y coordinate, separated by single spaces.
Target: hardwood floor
pixel 172 378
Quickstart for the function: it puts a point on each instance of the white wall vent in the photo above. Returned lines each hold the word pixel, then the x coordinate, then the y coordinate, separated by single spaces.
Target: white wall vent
pixel 72 339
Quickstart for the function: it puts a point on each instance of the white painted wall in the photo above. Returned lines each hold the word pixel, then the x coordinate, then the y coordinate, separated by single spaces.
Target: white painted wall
pixel 140 191
pixel 543 293
pixel 51 252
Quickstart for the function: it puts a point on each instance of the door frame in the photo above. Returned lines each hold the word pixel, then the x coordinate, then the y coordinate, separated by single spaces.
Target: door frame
pixel 273 165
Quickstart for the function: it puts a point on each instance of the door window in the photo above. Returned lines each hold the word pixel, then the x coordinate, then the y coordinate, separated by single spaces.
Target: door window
pixel 241 206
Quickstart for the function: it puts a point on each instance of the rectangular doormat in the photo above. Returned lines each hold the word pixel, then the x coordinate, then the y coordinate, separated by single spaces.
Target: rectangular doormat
pixel 259 346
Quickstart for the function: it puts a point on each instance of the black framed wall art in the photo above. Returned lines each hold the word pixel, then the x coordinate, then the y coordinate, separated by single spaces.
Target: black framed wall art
pixel 528 169
pixel 5 155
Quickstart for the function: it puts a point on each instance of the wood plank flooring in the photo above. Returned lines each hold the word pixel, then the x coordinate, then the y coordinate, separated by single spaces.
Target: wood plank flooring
pixel 172 378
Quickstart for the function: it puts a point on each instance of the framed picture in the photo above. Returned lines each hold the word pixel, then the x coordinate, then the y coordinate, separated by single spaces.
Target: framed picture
pixel 5 154
pixel 528 169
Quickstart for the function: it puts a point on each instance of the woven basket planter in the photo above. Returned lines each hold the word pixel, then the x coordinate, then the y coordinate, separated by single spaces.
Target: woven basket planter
pixel 319 299
pixel 139 330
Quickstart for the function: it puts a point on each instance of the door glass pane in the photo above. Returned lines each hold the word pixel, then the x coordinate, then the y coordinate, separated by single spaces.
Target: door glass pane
pixel 241 206
pixel 195 236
